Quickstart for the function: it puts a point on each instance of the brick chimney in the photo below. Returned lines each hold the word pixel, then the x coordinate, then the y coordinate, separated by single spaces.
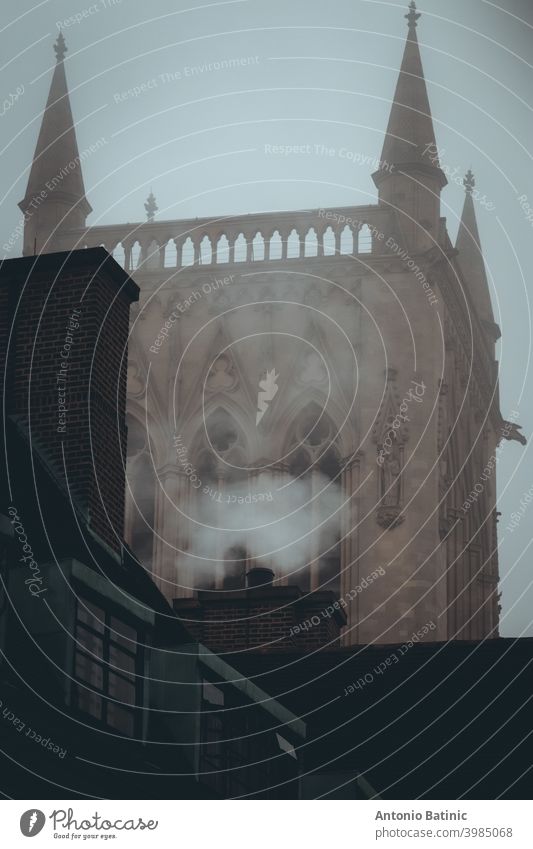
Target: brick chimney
pixel 264 616
pixel 64 356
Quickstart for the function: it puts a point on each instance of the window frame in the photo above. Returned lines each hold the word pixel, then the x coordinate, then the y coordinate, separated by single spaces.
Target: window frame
pixel 110 639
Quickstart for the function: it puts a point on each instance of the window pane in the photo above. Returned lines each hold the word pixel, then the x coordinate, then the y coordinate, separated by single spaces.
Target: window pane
pixel 88 670
pixel 119 718
pixel 89 702
pixel 89 641
pixel 121 661
pixel 91 615
pixel 121 689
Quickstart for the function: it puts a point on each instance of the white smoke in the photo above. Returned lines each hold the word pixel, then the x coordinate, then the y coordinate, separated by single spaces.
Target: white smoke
pixel 279 522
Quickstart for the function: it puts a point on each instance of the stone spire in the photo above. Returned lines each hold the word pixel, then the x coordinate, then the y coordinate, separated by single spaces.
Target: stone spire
pixel 55 194
pixel 410 137
pixel 409 163
pixel 470 258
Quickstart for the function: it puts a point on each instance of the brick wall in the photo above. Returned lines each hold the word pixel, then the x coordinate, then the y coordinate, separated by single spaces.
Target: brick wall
pixel 267 619
pixel 66 372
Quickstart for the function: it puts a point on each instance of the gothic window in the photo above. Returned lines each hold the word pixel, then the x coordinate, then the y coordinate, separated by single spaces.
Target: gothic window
pixel 221 464
pixel 136 436
pixel 207 467
pixel 222 432
pixel 314 463
pixel 313 370
pixel 221 375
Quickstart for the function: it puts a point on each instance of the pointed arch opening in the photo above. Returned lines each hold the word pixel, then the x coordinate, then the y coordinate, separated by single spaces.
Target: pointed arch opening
pixel 206 251
pixel 135 255
pixel 149 259
pixel 187 252
pixel 311 243
pixel 329 242
pixel 222 431
pixel 293 244
pixel 171 254
pixel 258 248
pixel 365 240
pixel 276 246
pixel 241 249
pixel 119 254
pixel 223 249
pixel 346 240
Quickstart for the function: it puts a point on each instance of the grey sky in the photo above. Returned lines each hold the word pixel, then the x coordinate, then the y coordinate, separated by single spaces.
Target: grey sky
pixel 317 74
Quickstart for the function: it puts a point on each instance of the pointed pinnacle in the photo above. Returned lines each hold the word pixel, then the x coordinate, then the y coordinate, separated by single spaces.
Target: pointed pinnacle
pixel 60 47
pixel 412 15
pixel 469 182
pixel 151 206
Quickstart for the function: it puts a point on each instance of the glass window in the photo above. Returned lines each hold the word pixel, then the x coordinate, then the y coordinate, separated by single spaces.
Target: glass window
pixel 122 720
pixel 89 671
pixel 89 702
pixel 91 615
pixel 121 662
pixel 108 665
pixel 90 641
pixel 121 689
pixel 122 633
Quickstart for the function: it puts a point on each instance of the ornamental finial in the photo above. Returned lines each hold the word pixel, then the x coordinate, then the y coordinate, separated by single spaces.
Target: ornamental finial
pixel 412 15
pixel 151 206
pixel 469 182
pixel 60 47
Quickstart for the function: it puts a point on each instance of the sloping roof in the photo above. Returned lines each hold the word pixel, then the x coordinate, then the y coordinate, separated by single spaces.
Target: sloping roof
pixel 443 720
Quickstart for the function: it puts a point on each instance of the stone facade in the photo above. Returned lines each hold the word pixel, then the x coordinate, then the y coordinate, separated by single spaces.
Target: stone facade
pixel 371 339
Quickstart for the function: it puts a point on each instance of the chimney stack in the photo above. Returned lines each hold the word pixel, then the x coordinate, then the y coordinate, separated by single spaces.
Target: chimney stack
pixel 64 358
pixel 259 576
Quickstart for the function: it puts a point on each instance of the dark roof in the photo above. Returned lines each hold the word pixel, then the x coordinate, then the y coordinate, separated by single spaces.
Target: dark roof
pixel 89 260
pixel 443 720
